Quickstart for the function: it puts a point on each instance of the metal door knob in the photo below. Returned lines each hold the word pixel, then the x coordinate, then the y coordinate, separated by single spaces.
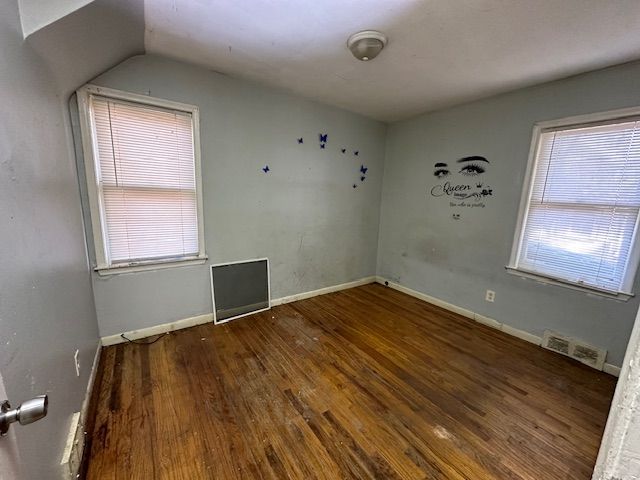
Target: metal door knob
pixel 26 413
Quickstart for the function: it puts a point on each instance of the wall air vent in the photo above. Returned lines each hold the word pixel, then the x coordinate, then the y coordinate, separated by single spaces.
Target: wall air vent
pixel 239 289
pixel 576 349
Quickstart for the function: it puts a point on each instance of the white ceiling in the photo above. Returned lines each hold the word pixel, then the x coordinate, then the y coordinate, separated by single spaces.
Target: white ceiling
pixel 440 52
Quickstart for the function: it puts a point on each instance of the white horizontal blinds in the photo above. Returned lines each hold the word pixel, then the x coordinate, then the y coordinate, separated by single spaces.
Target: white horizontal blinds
pixel 146 180
pixel 584 205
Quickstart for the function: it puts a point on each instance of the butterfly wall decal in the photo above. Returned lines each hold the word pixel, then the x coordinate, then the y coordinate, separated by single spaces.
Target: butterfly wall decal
pixel 344 150
pixel 266 169
pixel 356 153
pixel 323 138
pixel 322 145
pixel 363 169
pixel 300 140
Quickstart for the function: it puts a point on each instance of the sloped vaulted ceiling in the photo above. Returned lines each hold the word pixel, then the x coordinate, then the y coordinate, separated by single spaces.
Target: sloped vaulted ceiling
pixel 37 14
pixel 440 52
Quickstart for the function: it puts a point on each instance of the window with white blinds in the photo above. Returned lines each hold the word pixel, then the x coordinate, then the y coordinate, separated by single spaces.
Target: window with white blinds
pixel 579 224
pixel 145 181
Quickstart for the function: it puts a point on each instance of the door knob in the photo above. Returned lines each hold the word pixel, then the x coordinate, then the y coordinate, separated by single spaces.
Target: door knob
pixel 26 413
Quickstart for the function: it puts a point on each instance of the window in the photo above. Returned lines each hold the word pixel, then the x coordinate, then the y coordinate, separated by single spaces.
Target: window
pixel 143 176
pixel 579 215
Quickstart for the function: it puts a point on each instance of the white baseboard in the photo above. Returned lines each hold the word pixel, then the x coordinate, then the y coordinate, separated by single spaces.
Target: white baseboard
pixel 208 317
pixel 90 384
pixel 157 329
pixel 323 291
pixel 490 322
pixel 74 449
pixel 611 369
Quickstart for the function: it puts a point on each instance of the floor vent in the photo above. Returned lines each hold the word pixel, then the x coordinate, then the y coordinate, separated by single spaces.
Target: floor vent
pixel 239 289
pixel 576 349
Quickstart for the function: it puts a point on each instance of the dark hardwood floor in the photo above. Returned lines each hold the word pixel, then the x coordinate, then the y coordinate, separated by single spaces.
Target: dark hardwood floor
pixel 364 383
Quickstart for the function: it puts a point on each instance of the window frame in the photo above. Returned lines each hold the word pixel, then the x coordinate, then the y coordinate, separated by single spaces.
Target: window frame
pixel 97 212
pixel 567 123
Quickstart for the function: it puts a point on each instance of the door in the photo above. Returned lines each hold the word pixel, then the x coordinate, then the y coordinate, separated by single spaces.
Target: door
pixel 9 459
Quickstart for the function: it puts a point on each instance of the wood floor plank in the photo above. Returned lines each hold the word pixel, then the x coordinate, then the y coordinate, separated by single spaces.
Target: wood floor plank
pixel 359 384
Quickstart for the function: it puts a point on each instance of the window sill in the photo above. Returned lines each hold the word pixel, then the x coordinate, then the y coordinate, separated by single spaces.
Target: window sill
pixel 621 296
pixel 150 265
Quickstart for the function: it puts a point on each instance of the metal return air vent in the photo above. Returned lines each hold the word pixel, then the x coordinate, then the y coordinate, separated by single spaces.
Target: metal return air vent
pixel 576 349
pixel 239 289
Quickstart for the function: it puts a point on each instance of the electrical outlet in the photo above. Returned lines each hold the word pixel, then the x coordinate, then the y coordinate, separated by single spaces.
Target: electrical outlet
pixel 490 296
pixel 77 362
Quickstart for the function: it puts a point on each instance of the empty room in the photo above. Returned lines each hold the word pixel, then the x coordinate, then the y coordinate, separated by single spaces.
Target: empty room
pixel 319 240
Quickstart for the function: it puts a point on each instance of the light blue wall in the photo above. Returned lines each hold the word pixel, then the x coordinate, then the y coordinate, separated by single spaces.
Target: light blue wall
pixel 422 247
pixel 304 215
pixel 318 231
pixel 46 303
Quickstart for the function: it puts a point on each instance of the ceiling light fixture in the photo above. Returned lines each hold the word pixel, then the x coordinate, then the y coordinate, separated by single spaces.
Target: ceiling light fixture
pixel 366 45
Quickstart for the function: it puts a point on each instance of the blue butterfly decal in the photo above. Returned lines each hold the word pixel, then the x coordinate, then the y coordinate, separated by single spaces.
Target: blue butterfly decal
pixel 266 169
pixel 363 169
pixel 300 140
pixel 322 145
pixel 323 138
pixel 356 153
pixel 355 186
pixel 344 150
pixel 362 179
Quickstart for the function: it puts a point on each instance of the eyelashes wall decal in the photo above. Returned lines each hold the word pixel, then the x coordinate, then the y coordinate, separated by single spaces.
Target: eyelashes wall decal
pixel 469 166
pixel 473 165
pixel 461 191
pixel 472 169
pixel 441 170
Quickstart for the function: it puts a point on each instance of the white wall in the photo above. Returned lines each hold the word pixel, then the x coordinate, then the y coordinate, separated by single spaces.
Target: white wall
pixel 46 302
pixel 423 247
pixel 304 215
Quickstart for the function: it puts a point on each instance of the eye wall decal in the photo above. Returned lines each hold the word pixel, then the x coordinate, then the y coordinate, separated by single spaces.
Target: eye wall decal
pixel 473 165
pixel 459 182
pixel 441 170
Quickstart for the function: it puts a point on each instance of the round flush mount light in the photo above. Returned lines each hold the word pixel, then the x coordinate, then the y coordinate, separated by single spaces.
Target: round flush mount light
pixel 366 45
